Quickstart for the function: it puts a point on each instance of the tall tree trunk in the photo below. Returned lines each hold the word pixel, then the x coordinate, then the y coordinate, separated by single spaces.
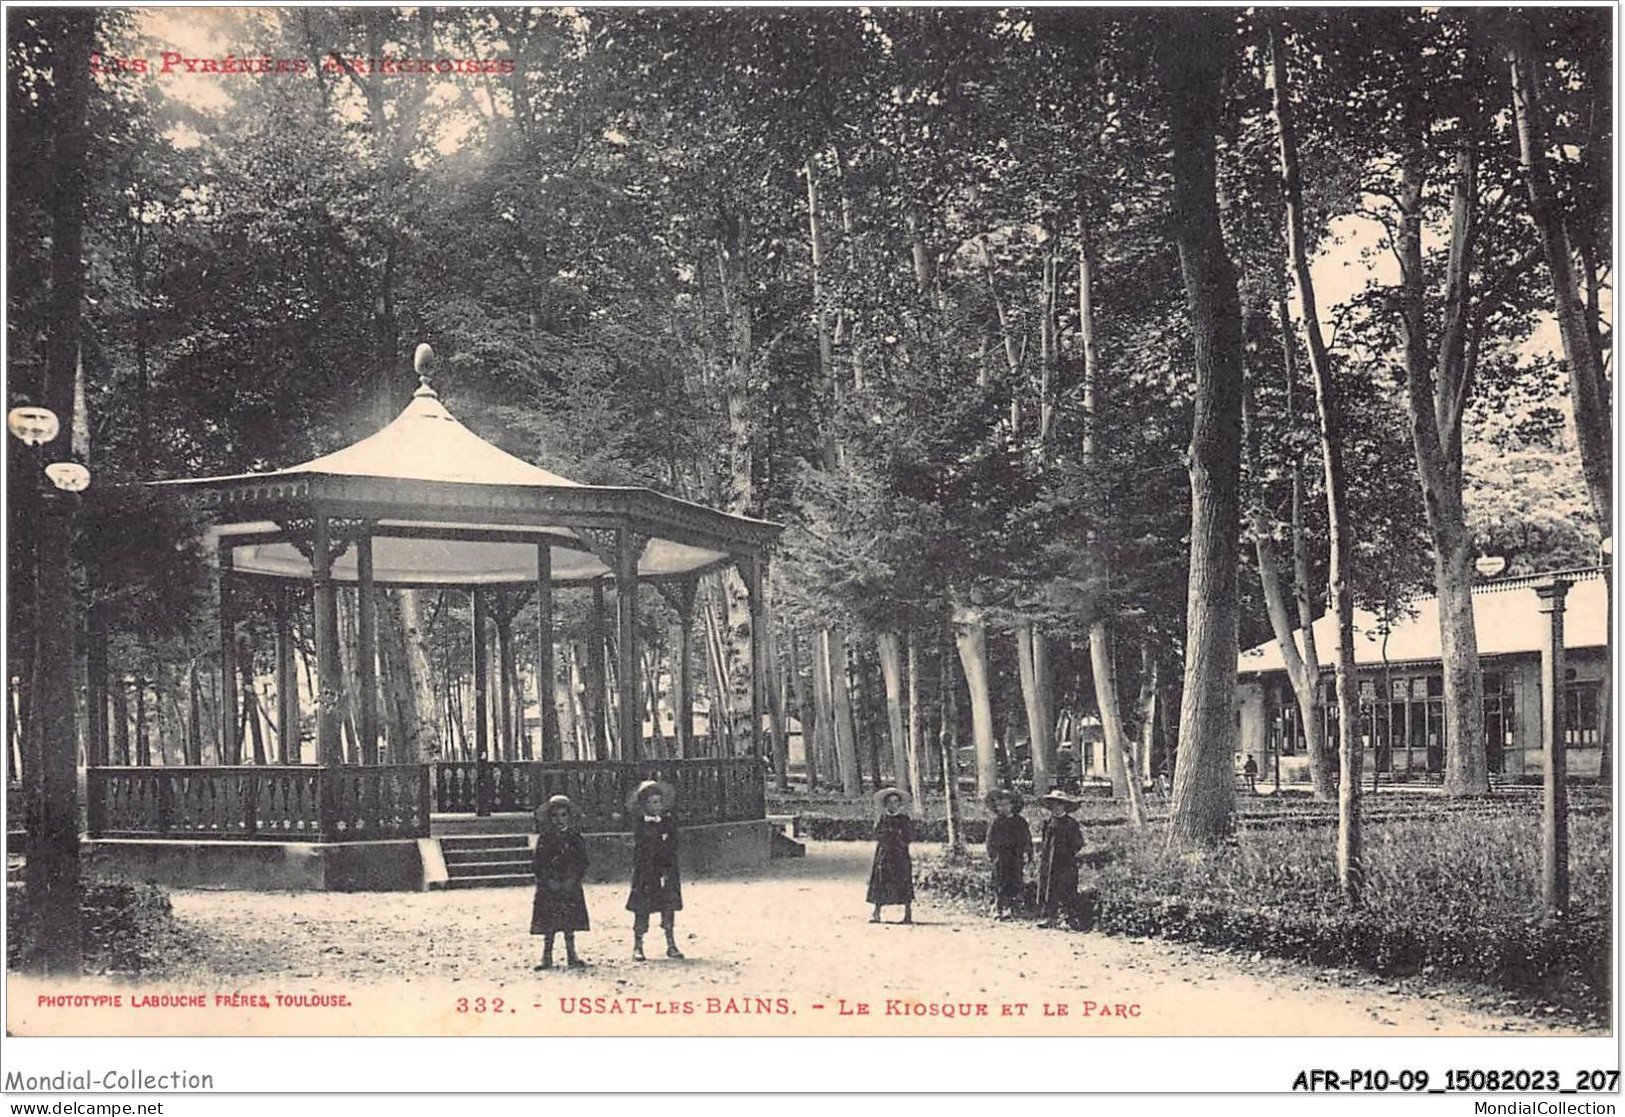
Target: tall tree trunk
pixel 916 777
pixel 1340 531
pixel 250 699
pixel 1436 395
pixel 143 742
pixel 846 738
pixel 1302 669
pixel 806 714
pixel 948 747
pixel 890 646
pixel 50 770
pixel 121 721
pixel 194 719
pixel 1119 750
pixel 1100 639
pixel 1035 698
pixel 1193 61
pixel 1149 672
pixel 825 743
pixel 563 697
pixel 970 636
pixel 1588 384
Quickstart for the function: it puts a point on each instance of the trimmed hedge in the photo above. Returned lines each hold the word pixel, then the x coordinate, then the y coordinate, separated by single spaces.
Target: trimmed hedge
pixel 1452 897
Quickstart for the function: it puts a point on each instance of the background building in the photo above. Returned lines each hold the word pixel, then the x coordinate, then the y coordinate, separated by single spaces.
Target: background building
pixel 1402 686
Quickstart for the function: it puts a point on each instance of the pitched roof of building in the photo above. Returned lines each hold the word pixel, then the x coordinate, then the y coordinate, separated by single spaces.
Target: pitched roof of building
pixel 1506 616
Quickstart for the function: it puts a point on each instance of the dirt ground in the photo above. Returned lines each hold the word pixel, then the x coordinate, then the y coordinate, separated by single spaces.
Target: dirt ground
pixel 787 951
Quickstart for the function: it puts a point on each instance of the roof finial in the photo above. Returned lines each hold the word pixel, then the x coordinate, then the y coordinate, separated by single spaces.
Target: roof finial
pixel 424 361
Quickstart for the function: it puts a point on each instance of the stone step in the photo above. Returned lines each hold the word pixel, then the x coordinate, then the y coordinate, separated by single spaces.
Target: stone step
pixel 514 881
pixel 484 841
pixel 488 869
pixel 456 856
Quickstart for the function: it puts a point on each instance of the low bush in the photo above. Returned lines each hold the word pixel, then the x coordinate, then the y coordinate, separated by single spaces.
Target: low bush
pixel 123 928
pixel 1457 896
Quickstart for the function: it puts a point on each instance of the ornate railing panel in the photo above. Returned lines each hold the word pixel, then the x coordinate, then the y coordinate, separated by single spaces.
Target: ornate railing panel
pixel 354 803
pixel 259 803
pixel 708 790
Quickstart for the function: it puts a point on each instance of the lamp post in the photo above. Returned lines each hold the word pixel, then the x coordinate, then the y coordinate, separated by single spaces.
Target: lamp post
pixel 51 758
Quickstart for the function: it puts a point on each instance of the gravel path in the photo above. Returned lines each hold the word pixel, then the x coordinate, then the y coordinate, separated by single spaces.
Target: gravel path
pixel 786 951
pixel 781 952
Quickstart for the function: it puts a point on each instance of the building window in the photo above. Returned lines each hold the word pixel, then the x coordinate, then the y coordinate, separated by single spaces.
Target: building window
pixel 1582 728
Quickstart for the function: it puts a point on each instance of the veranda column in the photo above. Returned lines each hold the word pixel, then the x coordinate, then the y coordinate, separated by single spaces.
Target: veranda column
pixel 1554 830
pixel 482 729
pixel 686 591
pixel 367 650
pixel 626 664
pixel 329 679
pixel 229 740
pixel 551 744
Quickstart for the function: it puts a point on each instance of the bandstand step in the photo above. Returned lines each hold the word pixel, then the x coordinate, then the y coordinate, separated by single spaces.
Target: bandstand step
pixel 512 881
pixel 488 868
pixel 456 855
pixel 486 860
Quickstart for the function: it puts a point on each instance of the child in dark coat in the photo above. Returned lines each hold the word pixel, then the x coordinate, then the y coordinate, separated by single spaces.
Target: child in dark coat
pixel 560 865
pixel 656 883
pixel 1009 847
pixel 891 879
pixel 1061 843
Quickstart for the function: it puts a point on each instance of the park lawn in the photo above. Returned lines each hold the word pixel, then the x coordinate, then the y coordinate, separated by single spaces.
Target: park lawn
pixel 1446 894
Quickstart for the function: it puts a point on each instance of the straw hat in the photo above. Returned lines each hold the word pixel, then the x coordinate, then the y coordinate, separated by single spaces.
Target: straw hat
pixel 999 794
pixel 886 793
pixel 1065 801
pixel 634 802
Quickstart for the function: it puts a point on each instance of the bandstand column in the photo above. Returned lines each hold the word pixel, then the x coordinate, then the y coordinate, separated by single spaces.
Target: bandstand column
pixel 551 748
pixel 686 591
pixel 596 686
pixel 752 570
pixel 626 602
pixel 229 740
pixel 367 650
pixel 287 686
pixel 329 680
pixel 482 728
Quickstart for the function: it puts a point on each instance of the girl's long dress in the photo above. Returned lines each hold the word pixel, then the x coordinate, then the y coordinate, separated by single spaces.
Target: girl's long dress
pixel 1009 844
pixel 1058 860
pixel 891 880
pixel 560 859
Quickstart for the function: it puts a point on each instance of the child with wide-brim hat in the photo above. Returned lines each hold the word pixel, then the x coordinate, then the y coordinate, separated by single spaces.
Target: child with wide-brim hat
pixel 560 865
pixel 1061 840
pixel 891 877
pixel 656 880
pixel 1009 847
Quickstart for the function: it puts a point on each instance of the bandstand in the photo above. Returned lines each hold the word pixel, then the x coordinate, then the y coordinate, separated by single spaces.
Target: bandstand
pixel 426 503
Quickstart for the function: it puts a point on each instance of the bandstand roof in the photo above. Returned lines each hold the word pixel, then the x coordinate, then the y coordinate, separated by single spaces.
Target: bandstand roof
pixel 445 507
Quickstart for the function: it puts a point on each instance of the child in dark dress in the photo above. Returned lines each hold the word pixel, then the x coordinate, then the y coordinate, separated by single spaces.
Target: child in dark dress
pixel 1009 847
pixel 891 879
pixel 1061 843
pixel 656 883
pixel 560 865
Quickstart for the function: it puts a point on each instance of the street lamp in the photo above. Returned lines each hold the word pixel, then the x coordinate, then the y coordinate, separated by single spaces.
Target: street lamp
pixel 33 426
